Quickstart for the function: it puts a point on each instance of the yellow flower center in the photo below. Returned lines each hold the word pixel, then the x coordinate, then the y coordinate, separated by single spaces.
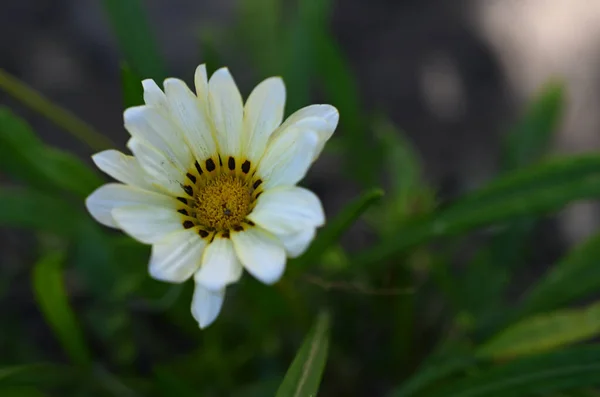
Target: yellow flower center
pixel 223 202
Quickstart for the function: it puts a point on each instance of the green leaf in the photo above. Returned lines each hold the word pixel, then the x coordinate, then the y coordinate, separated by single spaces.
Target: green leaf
pixel 489 274
pixel 334 229
pixel 575 276
pixel 430 374
pixel 544 332
pixel 26 157
pixel 530 139
pixel 59 116
pixel 407 196
pixel 542 375
pixel 340 89
pixel 32 374
pixel 20 391
pixel 304 375
pixel 539 189
pixel 135 38
pixel 260 33
pixel 131 85
pixel 301 50
pixel 51 296
pixel 30 209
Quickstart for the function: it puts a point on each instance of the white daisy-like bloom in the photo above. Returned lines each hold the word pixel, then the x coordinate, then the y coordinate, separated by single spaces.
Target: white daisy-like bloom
pixel 211 184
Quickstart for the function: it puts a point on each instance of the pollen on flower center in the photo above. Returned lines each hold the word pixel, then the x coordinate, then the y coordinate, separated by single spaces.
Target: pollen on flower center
pixel 223 202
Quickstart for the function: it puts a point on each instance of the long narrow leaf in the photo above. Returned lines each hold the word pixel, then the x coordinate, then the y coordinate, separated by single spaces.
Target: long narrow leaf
pixel 544 332
pixel 52 299
pixel 23 155
pixel 537 190
pixel 304 375
pixel 137 43
pixel 540 375
pixel 575 276
pixel 330 234
pixel 31 209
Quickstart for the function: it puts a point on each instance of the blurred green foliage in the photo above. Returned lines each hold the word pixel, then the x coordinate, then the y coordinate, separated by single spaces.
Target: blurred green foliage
pixel 95 324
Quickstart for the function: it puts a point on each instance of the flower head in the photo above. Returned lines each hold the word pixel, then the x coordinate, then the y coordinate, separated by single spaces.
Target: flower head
pixel 212 183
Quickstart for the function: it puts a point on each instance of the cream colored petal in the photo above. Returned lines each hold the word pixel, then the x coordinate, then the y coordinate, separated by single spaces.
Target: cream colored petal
pixel 226 110
pixel 149 125
pixel 323 119
pixel 297 243
pixel 263 113
pixel 147 223
pixel 177 257
pixel 288 209
pixel 160 170
pixel 121 167
pixel 288 158
pixel 261 253
pixel 115 195
pixel 220 266
pixel 206 305
pixel 191 118
pixel 201 82
pixel 153 95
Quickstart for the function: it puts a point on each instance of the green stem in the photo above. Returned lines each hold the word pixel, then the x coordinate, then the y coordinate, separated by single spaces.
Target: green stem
pixel 61 117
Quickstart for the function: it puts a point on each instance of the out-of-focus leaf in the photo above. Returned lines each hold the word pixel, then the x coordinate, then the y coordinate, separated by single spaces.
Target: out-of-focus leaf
pixel 131 85
pixel 32 374
pixel 258 389
pixel 333 230
pixel 260 33
pixel 51 296
pixel 544 332
pixel 488 275
pixel 340 88
pixel 539 189
pixel 575 276
pixel 304 375
pixel 20 391
pixel 541 375
pixel 30 209
pixel 301 50
pixel 135 38
pixel 530 139
pixel 210 54
pixel 170 384
pixel 59 116
pixel 430 374
pixel 25 156
pixel 407 196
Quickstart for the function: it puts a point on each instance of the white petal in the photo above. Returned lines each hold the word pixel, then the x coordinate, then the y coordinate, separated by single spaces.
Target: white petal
pixel 115 195
pixel 201 82
pixel 177 257
pixel 206 305
pixel 262 115
pixel 288 209
pixel 153 95
pixel 160 169
pixel 261 253
pixel 191 118
pixel 297 243
pixel 220 265
pixel 323 119
pixel 287 158
pixel 149 125
pixel 226 110
pixel 123 168
pixel 146 223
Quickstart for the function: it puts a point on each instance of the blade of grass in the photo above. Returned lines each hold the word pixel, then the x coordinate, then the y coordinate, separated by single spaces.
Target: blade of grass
pixel 56 114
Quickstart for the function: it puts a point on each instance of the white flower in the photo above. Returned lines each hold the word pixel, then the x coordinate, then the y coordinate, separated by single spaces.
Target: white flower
pixel 212 183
